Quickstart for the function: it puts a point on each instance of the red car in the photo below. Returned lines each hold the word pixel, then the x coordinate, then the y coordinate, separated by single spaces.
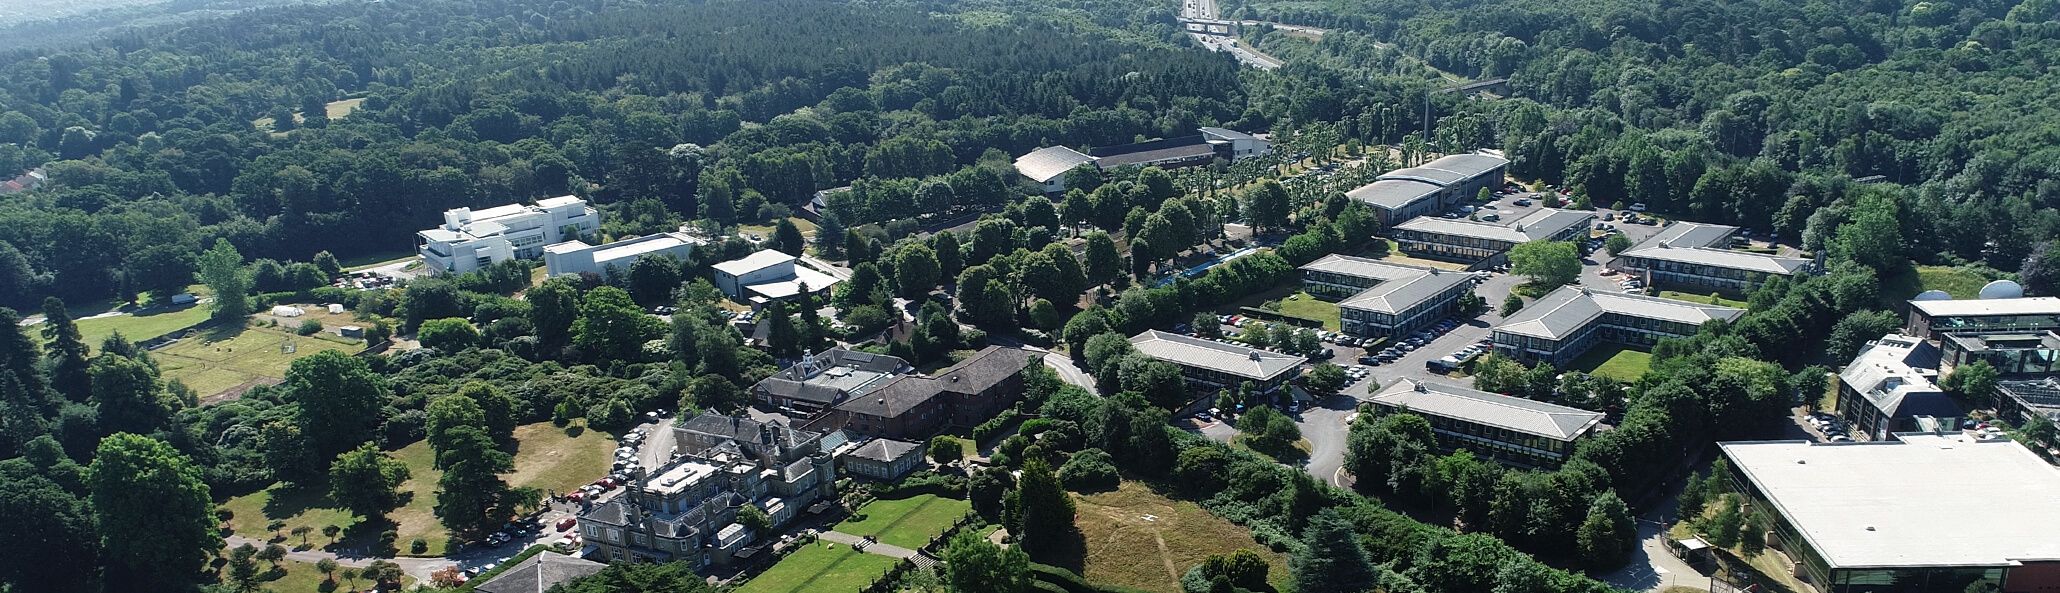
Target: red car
pixel 576 496
pixel 567 523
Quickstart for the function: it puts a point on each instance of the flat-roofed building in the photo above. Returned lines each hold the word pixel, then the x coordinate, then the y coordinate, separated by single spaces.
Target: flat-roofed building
pixel 1379 299
pixel 1928 513
pixel 1931 319
pixel 1047 167
pixel 1215 365
pixel 1512 430
pixel 1486 243
pixel 769 275
pixel 2018 400
pixel 1892 384
pixel 1431 188
pixel 577 257
pixel 1568 321
pixel 473 239
pixel 2014 354
pixel 1696 256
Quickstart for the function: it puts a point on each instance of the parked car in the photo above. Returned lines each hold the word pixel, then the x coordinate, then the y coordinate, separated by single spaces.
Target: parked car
pixel 1638 207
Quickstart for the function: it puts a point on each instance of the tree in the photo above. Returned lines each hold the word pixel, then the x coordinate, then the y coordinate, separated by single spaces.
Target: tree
pixel 787 238
pixel 1266 206
pixel 754 519
pixel 1976 381
pixel 1549 264
pixel 1046 527
pixel 1616 243
pixel 449 334
pixel 945 450
pixel 367 481
pixel 972 565
pixel 553 307
pixel 1089 470
pixel 155 517
pixel 1243 569
pixel 1331 559
pixel 331 531
pixel 640 577
pixel 338 400
pixel 129 395
pixel 611 327
pixel 1268 431
pixel 444 416
pixel 916 271
pixel 1724 526
pixel 951 257
pixel 384 572
pixel 327 566
pixel 1608 534
pixel 221 269
pixel 1158 381
pixel 57 548
pixel 1103 262
pixel 1511 304
pixel 470 493
pixel 1326 378
pixel 66 351
pixel 652 279
pixel 496 407
pixel 273 553
pixel 1856 329
pixel 1872 237
pixel 159 271
pixel 243 567
pixel 2040 271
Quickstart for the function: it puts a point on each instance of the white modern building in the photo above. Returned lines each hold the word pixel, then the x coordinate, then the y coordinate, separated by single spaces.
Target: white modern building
pixel 768 276
pixel 473 239
pixel 577 257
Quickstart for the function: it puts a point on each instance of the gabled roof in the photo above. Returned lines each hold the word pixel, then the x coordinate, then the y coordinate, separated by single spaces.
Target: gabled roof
pixel 976 374
pixel 1250 363
pixel 1543 224
pixel 1896 373
pixel 1566 310
pixel 1701 244
pixel 1516 414
pixel 539 573
pixel 1051 162
pixel 1399 288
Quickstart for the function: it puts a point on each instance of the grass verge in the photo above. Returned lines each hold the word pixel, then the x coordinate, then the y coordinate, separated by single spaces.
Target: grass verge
pixel 1708 299
pixel 908 522
pixel 1613 362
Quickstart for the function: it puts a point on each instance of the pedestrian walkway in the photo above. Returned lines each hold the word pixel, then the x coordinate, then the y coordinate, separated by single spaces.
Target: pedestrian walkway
pixel 875 548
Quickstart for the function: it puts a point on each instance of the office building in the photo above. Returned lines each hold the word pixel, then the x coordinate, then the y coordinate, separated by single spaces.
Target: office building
pixel 1210 365
pixel 1434 187
pixel 1486 244
pixel 769 275
pixel 1928 513
pixel 1696 257
pixel 576 257
pixel 1047 167
pixel 1381 299
pixel 1513 430
pixel 917 407
pixel 2015 354
pixel 1931 319
pixel 1568 321
pixel 1892 387
pixel 473 239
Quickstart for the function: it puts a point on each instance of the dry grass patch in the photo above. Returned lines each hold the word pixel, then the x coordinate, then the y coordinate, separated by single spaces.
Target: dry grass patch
pixel 1137 538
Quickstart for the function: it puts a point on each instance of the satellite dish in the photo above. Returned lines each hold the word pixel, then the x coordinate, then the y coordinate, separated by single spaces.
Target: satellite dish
pixel 2002 289
pixel 1933 295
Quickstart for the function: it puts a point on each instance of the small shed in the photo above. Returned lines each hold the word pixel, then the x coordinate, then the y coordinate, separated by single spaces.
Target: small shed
pixel 287 311
pixel 351 331
pixel 335 309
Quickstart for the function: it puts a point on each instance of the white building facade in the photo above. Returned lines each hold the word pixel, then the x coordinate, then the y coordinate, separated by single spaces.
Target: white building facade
pixel 471 239
pixel 577 257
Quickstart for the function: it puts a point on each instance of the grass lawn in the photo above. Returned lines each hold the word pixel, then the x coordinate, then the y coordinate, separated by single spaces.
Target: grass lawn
pixel 547 458
pixel 139 327
pixel 1139 539
pixel 1301 304
pixel 821 567
pixel 1613 362
pixel 332 110
pixel 908 522
pixel 1702 298
pixel 1959 282
pixel 301 577
pixel 766 230
pixel 228 359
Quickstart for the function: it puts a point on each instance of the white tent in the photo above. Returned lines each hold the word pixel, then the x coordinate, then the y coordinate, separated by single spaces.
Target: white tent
pixel 287 311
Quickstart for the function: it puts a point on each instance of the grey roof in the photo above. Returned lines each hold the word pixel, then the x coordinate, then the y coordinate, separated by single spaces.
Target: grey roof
pixel 1393 194
pixel 1399 288
pixel 1896 373
pixel 1226 133
pixel 539 573
pixel 758 260
pixel 2040 396
pixel 1157 155
pixel 884 450
pixel 1701 244
pixel 1260 365
pixel 1963 307
pixel 1908 503
pixel 1051 162
pixel 1566 310
pixel 744 430
pixel 1516 414
pixel 1450 169
pixel 976 374
pixel 1543 224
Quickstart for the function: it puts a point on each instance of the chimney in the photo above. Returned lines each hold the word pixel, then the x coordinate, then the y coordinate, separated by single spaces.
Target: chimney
pixel 1420 388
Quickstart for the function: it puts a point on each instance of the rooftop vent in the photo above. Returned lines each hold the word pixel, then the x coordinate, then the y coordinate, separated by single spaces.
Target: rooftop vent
pixel 1421 388
pixel 1254 355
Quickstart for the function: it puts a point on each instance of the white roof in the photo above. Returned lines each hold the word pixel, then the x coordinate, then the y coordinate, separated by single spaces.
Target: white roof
pixel 2017 306
pixel 1512 413
pixel 1927 500
pixel 559 201
pixel 756 261
pixel 803 275
pixel 1566 310
pixel 1051 162
pixel 642 245
pixel 1251 363
pixel 1393 194
pixel 1399 288
pixel 1896 370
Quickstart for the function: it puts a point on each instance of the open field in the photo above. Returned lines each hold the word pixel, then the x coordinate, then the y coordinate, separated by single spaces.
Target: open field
pixel 1137 538
pixel 546 457
pixel 1702 298
pixel 908 522
pixel 821 568
pixel 137 327
pixel 1301 304
pixel 765 231
pixel 332 110
pixel 225 360
pixel 292 576
pixel 1959 282
pixel 1612 361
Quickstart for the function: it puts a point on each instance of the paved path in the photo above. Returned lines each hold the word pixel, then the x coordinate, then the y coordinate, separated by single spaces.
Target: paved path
pixel 1652 567
pixel 419 568
pixel 876 548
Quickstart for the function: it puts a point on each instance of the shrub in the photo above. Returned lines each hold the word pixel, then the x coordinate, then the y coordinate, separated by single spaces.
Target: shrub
pixel 1089 470
pixel 309 327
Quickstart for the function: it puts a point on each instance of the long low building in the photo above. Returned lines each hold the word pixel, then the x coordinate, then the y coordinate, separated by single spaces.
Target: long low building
pixel 1433 187
pixel 473 239
pixel 1927 513
pixel 1381 299
pixel 1931 319
pixel 1216 365
pixel 1048 166
pixel 1568 321
pixel 577 257
pixel 769 275
pixel 1486 243
pixel 1511 430
pixel 1695 256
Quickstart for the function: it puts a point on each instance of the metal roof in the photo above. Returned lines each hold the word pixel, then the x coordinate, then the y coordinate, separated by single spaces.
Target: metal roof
pixel 758 260
pixel 1702 244
pixel 1051 162
pixel 1965 307
pixel 1399 288
pixel 1540 225
pixel 1689 234
pixel 1566 310
pixel 1393 194
pixel 1260 365
pixel 1226 133
pixel 1450 169
pixel 1516 414
pixel 1896 373
pixel 1924 501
